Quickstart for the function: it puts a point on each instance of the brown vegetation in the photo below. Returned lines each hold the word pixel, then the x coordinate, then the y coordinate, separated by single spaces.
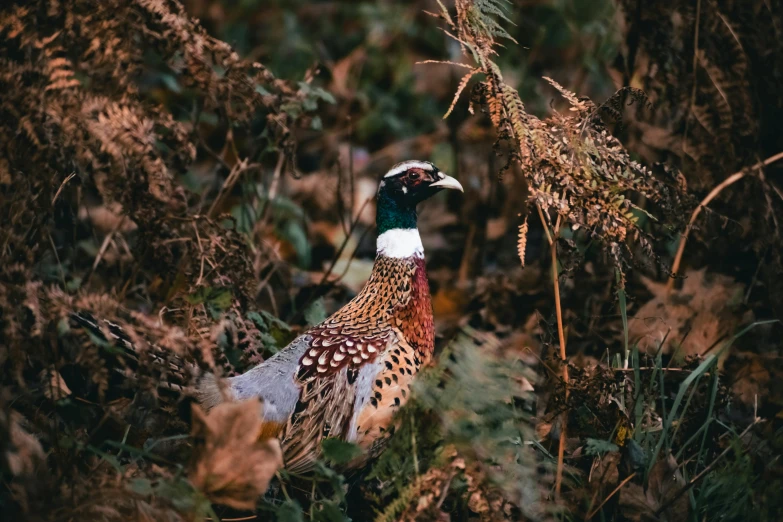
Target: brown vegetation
pixel 191 204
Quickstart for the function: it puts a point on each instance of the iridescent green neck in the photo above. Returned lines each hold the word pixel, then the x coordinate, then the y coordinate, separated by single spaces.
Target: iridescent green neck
pixel 393 214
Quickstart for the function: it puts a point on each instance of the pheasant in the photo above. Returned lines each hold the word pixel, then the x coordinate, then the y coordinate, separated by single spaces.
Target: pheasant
pixel 347 376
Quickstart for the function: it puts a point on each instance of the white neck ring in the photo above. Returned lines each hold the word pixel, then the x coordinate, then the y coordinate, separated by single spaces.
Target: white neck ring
pixel 400 243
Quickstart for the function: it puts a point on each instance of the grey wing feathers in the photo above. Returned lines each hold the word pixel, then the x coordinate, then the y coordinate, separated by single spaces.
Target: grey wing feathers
pixel 273 381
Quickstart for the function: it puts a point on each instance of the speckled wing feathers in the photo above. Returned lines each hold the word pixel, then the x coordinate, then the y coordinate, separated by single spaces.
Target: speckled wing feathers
pixel 323 407
pixel 360 330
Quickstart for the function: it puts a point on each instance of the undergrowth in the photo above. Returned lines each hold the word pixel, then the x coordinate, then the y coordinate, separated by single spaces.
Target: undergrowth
pixel 109 109
pixel 140 177
pixel 584 186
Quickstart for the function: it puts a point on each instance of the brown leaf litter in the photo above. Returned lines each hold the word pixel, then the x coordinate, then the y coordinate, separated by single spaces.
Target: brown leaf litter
pixel 233 461
pixel 690 321
pixel 639 503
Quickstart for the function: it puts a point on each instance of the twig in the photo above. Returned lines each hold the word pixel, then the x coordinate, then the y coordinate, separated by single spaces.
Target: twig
pixel 353 256
pixel 619 486
pixel 271 195
pixel 57 257
pixel 467 256
pixel 695 75
pixel 106 243
pixel 354 223
pixel 552 239
pixel 282 485
pixel 276 177
pixel 446 489
pixel 703 473
pixel 233 176
pixel 201 254
pixel 338 255
pixel 650 368
pixel 62 185
pixel 351 174
pixel 540 360
pixel 340 202
pixel 544 223
pixel 558 309
pixel 415 451
pixel 706 201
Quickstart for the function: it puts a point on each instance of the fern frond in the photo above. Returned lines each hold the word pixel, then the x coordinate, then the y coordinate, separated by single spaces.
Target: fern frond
pixel 484 11
pixel 445 13
pixel 61 75
pixel 573 166
pixel 494 7
pixel 395 508
pixel 447 62
pixel 522 243
pixel 568 95
pixel 462 84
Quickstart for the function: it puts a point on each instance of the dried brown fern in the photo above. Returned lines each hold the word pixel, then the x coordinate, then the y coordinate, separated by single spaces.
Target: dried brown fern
pixel 91 152
pixel 577 173
pixel 575 168
pixel 522 243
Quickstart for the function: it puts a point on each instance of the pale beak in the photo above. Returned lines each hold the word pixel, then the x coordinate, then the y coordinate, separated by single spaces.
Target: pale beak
pixel 447 182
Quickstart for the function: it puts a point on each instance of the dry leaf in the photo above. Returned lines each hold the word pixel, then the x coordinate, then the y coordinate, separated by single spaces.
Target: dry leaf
pixel 693 319
pixel 54 386
pixel 108 218
pixel 23 455
pixel 665 480
pixel 754 378
pixel 233 461
pixel 23 462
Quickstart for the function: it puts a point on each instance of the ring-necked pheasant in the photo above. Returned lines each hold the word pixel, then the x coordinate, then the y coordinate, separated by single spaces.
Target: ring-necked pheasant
pixel 347 376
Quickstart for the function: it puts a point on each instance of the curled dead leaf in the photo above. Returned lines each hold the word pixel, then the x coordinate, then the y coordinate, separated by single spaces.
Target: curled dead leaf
pixel 234 460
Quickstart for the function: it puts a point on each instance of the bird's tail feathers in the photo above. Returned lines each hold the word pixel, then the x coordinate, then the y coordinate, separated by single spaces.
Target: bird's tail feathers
pixel 211 391
pixel 176 372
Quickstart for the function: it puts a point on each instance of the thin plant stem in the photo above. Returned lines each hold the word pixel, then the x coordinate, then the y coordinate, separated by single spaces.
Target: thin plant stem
pixel 558 309
pixel 543 223
pixel 706 201
pixel 624 315
pixel 695 75
pixel 561 335
pixel 619 486
pixel 552 238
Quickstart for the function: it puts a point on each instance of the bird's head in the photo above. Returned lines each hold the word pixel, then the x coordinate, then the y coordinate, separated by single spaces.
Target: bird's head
pixel 403 187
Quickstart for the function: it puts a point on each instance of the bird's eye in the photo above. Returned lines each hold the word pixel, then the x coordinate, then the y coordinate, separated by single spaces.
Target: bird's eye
pixel 414 175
